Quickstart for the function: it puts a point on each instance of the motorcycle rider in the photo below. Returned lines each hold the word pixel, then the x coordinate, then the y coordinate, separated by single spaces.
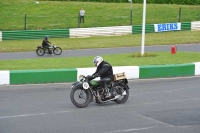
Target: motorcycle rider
pixel 105 72
pixel 45 44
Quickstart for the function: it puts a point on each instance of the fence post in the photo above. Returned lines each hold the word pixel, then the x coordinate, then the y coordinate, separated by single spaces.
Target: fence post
pixel 179 16
pixel 25 22
pixel 131 18
pixel 78 20
pixel 131 12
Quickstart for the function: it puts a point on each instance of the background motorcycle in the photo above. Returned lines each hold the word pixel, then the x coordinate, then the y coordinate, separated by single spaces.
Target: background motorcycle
pixel 41 50
pixel 85 91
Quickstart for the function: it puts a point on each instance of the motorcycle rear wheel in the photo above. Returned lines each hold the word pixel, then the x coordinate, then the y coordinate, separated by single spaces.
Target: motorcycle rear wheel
pixel 40 51
pixel 123 99
pixel 80 97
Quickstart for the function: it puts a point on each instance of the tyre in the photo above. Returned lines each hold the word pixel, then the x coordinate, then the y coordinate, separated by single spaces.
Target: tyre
pixel 80 97
pixel 124 98
pixel 57 51
pixel 40 51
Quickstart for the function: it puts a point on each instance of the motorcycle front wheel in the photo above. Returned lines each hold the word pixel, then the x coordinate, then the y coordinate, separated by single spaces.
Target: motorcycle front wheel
pixel 80 97
pixel 40 51
pixel 57 51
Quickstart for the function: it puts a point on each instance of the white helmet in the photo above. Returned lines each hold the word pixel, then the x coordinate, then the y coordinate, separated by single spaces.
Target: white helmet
pixel 97 60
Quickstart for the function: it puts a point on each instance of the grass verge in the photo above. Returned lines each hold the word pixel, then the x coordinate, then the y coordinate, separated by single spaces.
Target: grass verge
pixel 64 14
pixel 165 38
pixel 127 59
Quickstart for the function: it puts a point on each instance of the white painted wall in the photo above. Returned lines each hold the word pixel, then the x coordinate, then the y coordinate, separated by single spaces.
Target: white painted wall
pixel 4 77
pixel 132 72
pixel 197 68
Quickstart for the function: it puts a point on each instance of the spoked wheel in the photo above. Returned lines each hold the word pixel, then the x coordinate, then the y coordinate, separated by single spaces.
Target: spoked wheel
pixel 57 51
pixel 80 97
pixel 40 51
pixel 123 98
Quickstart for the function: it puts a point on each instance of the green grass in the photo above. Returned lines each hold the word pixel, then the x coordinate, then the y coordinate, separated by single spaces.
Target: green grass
pixel 166 38
pixel 126 59
pixel 63 14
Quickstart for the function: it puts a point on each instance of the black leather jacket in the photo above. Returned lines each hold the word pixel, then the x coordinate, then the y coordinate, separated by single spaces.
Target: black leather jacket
pixel 45 43
pixel 104 70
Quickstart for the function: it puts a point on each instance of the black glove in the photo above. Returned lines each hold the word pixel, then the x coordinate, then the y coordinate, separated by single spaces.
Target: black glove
pixel 89 77
pixel 95 75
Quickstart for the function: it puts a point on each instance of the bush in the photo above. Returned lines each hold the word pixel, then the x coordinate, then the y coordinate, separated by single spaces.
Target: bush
pixel 145 55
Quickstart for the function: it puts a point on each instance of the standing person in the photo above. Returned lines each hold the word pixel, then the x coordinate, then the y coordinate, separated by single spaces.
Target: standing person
pixel 82 13
pixel 105 72
pixel 45 44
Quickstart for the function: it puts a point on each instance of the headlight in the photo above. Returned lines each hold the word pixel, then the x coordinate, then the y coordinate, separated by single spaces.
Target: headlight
pixel 85 85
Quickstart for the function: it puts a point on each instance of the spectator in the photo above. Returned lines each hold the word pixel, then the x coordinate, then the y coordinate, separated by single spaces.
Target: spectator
pixel 82 13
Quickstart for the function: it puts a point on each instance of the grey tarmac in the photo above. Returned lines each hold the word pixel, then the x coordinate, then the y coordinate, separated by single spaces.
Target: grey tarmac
pixel 169 105
pixel 100 51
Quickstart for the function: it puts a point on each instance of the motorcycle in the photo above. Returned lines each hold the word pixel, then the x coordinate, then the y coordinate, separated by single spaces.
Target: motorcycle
pixel 41 50
pixel 85 91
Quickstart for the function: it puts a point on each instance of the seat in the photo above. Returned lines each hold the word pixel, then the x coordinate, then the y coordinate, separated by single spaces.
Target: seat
pixel 108 81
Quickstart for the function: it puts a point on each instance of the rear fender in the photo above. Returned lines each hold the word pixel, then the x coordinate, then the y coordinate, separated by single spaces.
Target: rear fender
pixel 126 83
pixel 123 81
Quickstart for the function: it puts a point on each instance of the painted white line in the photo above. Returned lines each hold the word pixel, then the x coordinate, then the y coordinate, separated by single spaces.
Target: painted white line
pixel 153 103
pixel 89 109
pixel 134 129
pixel 41 84
pixel 168 91
pixel 168 78
pixel 194 99
pixel 161 91
pixel 184 100
pixel 26 115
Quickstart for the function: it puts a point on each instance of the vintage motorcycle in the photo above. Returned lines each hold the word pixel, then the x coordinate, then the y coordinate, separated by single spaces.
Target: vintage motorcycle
pixel 55 49
pixel 85 91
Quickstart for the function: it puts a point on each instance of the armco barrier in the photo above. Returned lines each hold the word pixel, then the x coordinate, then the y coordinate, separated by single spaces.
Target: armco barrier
pixel 185 26
pixel 137 29
pixel 34 34
pixel 0 36
pixel 71 75
pixel 100 31
pixel 195 25
pixel 88 32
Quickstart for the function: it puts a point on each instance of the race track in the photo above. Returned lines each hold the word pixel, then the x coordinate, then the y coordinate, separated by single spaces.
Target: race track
pixel 101 51
pixel 154 106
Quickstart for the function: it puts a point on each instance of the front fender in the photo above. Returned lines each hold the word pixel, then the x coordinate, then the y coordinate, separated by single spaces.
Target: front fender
pixel 81 85
pixel 76 84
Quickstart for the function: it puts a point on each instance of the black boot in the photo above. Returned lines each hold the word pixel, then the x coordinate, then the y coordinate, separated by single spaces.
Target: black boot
pixel 107 92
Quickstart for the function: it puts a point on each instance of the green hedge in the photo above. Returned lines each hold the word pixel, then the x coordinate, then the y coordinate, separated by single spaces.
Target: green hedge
pixel 182 2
